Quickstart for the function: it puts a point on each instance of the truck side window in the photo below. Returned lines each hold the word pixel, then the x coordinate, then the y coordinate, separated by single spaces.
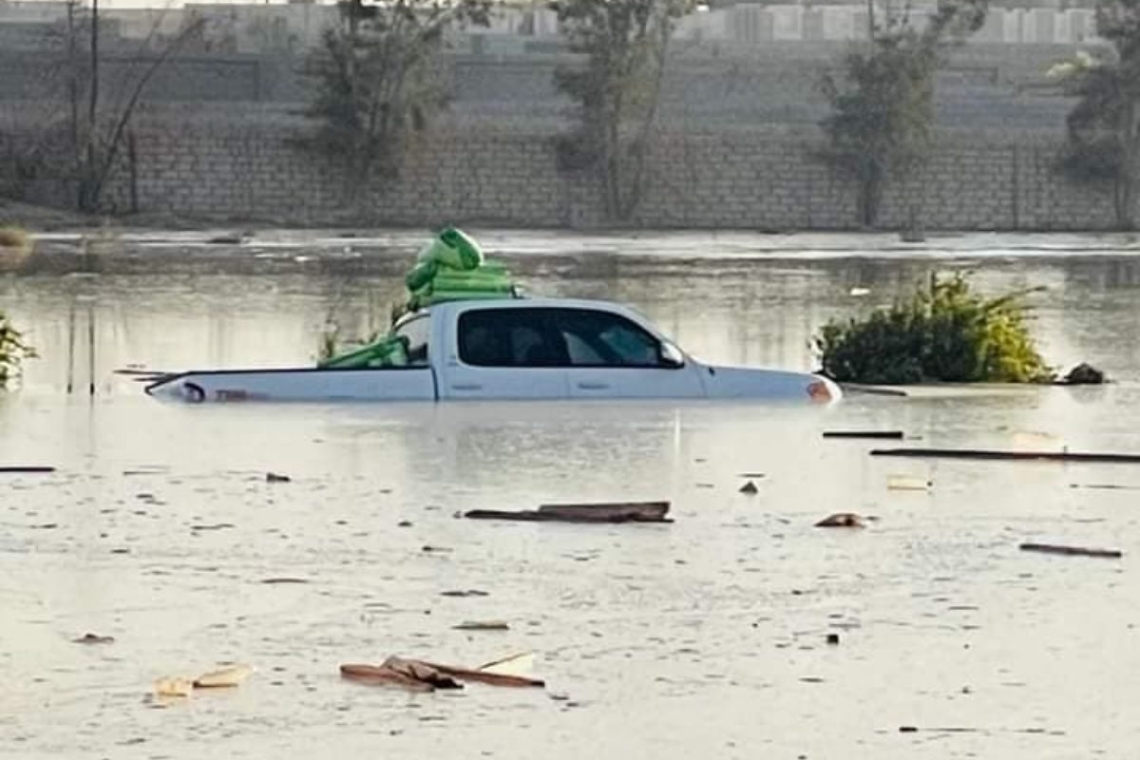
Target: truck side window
pixel 417 332
pixel 507 338
pixel 601 339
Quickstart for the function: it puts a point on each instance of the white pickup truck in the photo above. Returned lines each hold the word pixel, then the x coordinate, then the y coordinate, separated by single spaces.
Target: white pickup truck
pixel 512 349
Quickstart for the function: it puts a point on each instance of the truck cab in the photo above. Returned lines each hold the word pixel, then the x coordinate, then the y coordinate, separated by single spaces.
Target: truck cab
pixel 546 348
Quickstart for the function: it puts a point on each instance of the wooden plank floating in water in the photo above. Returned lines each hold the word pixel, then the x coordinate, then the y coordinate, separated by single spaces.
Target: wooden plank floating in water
pixel 402 676
pixel 1042 456
pixel 650 511
pixel 1076 551
pixel 224 678
pixel 18 469
pixel 483 676
pixel 894 435
pixel 420 675
pixel 482 625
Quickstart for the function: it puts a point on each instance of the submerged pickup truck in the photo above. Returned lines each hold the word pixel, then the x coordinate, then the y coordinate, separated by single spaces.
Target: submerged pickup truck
pixel 511 349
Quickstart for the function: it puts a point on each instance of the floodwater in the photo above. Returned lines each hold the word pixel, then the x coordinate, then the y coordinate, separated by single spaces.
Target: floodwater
pixel 703 638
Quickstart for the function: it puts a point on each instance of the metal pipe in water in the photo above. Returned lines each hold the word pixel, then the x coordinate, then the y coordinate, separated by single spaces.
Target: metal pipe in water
pixel 91 348
pixel 71 346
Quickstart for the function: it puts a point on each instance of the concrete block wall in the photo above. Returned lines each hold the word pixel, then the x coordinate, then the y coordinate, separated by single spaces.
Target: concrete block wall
pixel 764 178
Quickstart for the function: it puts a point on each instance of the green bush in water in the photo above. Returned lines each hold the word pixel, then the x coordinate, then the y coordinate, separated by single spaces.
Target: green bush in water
pixel 13 351
pixel 943 333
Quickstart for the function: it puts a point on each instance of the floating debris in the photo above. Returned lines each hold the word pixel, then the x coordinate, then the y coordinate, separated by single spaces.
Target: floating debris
pixel 833 639
pixel 749 489
pixel 93 638
pixel 409 674
pixel 25 469
pixel 227 677
pixel 173 687
pixel 486 675
pixel 511 665
pixel 398 673
pixel 484 625
pixel 464 593
pixel 972 730
pixel 272 477
pixel 1079 551
pixel 885 434
pixel 280 581
pixel 179 687
pixel 419 675
pixel 652 511
pixel 908 483
pixel 1084 374
pixel 842 520
pixel 1056 456
pixel 148 470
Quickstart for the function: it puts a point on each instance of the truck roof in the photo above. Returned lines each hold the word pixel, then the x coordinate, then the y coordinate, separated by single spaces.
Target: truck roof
pixel 521 303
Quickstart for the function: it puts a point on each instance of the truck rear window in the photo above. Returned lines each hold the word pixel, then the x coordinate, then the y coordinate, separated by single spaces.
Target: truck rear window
pixel 506 338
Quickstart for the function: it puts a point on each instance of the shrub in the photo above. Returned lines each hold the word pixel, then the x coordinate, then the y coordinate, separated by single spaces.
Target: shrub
pixel 943 333
pixel 15 238
pixel 13 351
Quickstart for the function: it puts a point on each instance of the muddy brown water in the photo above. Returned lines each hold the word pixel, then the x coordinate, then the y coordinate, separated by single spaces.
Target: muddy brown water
pixel 704 638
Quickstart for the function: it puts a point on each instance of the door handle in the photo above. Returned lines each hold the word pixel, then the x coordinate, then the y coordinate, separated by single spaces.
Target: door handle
pixel 467 387
pixel 593 386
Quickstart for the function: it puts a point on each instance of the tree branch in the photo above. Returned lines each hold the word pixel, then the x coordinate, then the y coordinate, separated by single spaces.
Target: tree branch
pixel 128 111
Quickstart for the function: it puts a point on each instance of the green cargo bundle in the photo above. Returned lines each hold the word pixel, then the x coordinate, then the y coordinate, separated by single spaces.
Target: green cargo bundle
pixel 450 268
pixel 390 351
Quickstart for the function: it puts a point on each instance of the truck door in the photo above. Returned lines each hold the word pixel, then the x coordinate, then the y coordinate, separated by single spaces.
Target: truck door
pixel 611 356
pixel 503 353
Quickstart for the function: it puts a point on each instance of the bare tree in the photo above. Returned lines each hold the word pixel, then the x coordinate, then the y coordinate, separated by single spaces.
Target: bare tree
pixel 882 121
pixel 98 136
pixel 617 91
pixel 78 121
pixel 377 78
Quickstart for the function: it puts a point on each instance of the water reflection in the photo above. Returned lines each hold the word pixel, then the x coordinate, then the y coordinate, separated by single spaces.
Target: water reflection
pixel 666 639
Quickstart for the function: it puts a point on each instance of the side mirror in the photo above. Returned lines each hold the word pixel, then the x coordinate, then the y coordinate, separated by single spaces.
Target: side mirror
pixel 670 357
